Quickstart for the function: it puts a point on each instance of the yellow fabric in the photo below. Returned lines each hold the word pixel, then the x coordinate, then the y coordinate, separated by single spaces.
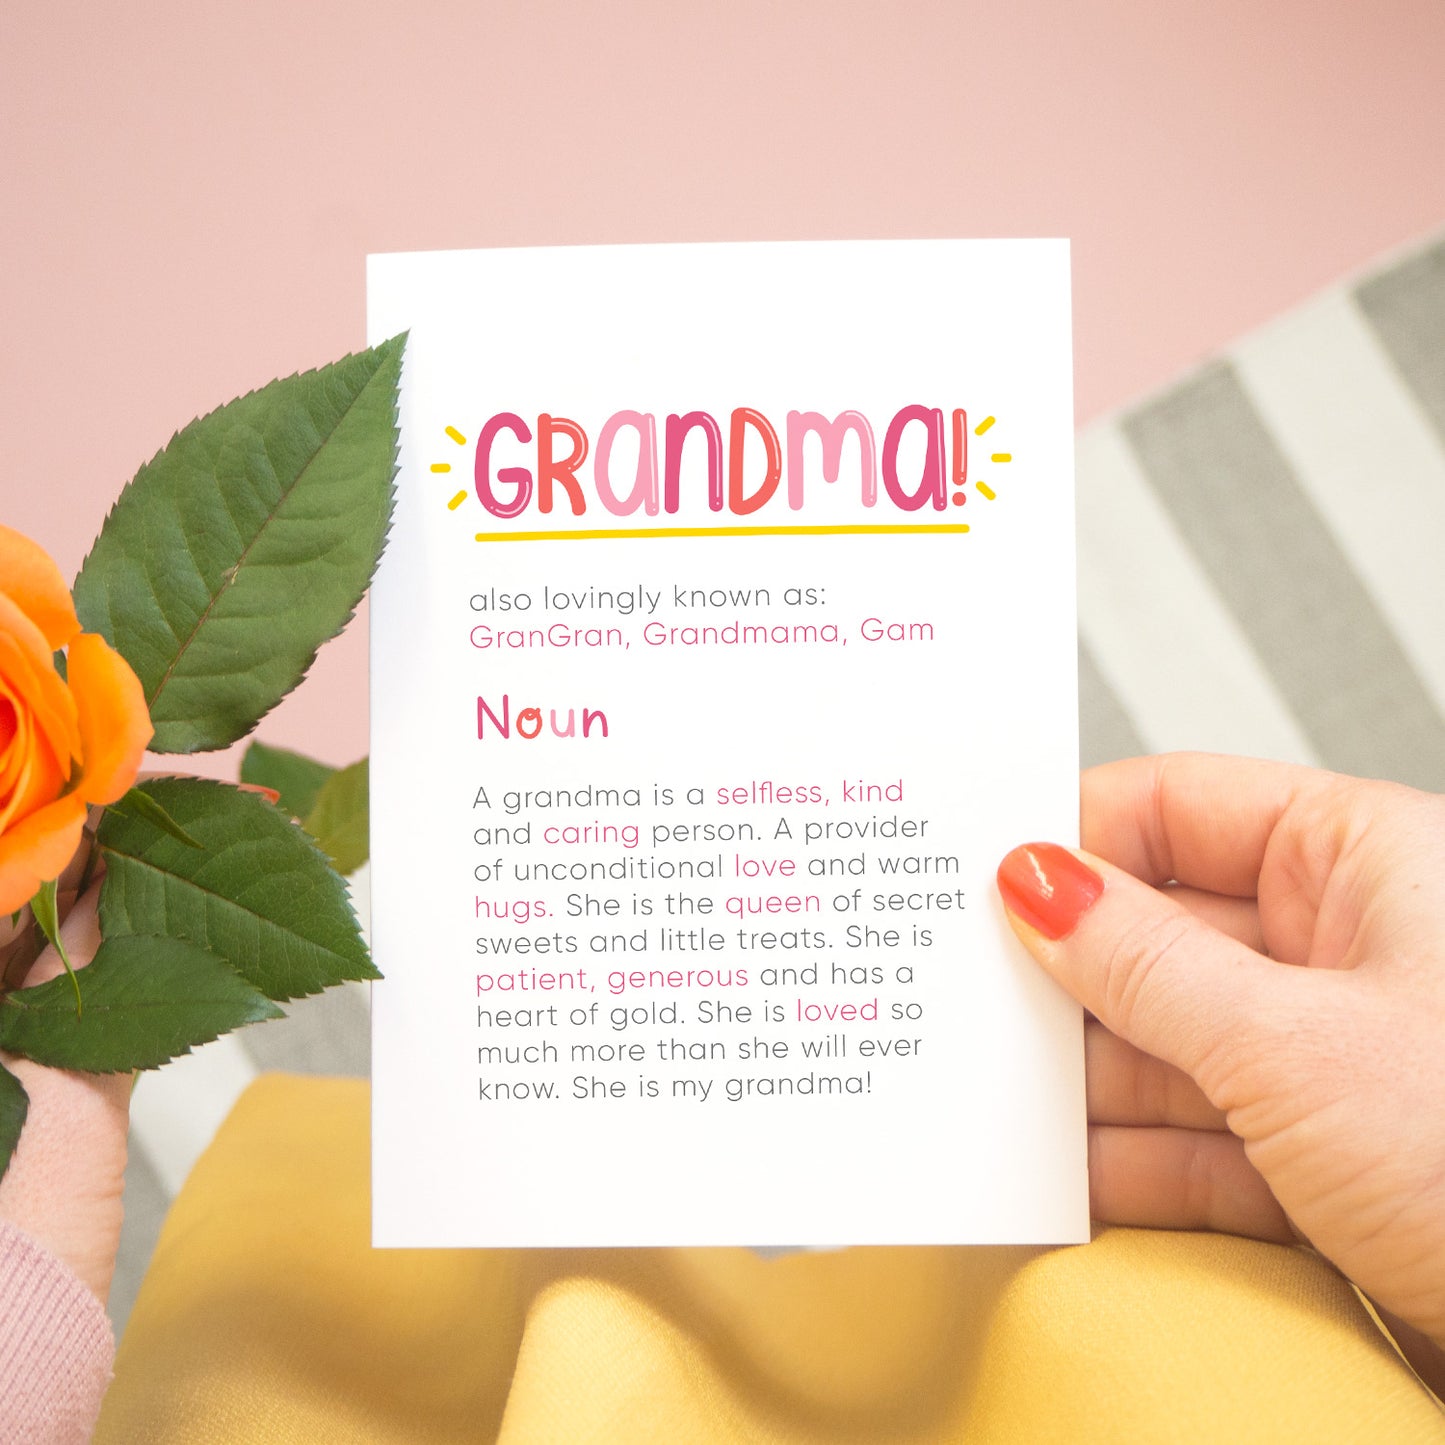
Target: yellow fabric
pixel 267 1318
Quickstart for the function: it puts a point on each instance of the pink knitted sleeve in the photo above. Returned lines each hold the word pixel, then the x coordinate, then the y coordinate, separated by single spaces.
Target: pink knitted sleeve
pixel 56 1347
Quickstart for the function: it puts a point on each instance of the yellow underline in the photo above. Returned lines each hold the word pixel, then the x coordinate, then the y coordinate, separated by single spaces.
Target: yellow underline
pixel 651 532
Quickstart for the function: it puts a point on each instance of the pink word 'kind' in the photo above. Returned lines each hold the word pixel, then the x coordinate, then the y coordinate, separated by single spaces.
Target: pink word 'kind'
pixel 562 446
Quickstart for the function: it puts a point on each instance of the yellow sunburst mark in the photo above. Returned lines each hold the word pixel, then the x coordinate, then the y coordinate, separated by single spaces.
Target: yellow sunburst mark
pixel 1002 457
pixel 444 467
pixel 984 490
pixel 984 425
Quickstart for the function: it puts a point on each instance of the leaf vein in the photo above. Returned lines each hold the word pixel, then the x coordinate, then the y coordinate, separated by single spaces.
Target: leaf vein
pixel 184 643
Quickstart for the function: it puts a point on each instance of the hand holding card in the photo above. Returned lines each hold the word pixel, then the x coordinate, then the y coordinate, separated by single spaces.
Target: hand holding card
pixel 724 641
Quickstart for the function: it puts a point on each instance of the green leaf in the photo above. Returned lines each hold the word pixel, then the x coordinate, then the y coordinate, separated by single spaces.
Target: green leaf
pixel 14 1105
pixel 296 777
pixel 146 1000
pixel 260 895
pixel 138 803
pixel 341 820
pixel 47 915
pixel 245 544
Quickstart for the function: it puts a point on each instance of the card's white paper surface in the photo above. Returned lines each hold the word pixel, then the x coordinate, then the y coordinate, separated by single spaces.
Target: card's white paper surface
pixel 683 845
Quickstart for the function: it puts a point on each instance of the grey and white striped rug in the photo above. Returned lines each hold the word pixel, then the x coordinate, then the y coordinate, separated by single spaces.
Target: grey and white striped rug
pixel 1261 571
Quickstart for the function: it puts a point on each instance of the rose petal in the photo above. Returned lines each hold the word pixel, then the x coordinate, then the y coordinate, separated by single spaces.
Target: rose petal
pixel 30 775
pixel 114 723
pixel 37 849
pixel 27 666
pixel 33 581
pixel 14 740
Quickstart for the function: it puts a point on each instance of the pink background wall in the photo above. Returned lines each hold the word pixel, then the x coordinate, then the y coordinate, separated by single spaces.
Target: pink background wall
pixel 189 189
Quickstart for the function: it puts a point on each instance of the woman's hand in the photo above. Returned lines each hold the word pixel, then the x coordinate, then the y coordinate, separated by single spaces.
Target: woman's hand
pixel 65 1181
pixel 1269 1056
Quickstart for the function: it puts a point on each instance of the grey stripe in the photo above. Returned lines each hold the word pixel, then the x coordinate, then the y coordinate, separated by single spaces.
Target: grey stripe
pixel 327 1034
pixel 146 1203
pixel 1315 628
pixel 1106 731
pixel 1406 306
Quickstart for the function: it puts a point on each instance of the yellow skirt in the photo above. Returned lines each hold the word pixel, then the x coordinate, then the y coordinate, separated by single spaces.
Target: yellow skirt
pixel 267 1318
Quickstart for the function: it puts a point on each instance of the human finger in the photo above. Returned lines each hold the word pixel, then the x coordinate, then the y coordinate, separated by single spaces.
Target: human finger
pixel 1238 917
pixel 85 867
pixel 1144 966
pixel 1198 818
pixel 65 1180
pixel 1127 1086
pixel 1181 1179
pixel 80 932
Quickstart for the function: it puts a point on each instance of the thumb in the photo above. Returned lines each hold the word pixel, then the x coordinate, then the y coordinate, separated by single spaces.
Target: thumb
pixel 1142 964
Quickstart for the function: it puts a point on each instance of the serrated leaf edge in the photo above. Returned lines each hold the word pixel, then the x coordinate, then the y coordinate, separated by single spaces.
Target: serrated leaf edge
pixel 266 1009
pixel 382 350
pixel 318 852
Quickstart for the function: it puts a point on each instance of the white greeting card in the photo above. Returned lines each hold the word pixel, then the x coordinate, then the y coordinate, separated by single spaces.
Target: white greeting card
pixel 724 643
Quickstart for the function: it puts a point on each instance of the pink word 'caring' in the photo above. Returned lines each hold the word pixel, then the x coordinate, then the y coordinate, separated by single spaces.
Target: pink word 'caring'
pixel 562 447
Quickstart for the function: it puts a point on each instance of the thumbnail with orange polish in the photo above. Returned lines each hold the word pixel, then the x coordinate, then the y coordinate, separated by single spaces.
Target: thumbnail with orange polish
pixel 1048 887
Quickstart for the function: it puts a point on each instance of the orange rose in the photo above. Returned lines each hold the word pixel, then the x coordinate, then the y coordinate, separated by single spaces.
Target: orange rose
pixel 63 746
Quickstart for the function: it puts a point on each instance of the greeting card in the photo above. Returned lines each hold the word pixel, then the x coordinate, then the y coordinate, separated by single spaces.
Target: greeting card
pixel 724 643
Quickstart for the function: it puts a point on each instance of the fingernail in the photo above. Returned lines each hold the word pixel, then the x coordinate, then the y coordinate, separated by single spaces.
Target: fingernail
pixel 1048 888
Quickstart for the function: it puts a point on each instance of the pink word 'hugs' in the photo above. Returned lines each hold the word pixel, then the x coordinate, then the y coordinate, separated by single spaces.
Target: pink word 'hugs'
pixel 562 447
